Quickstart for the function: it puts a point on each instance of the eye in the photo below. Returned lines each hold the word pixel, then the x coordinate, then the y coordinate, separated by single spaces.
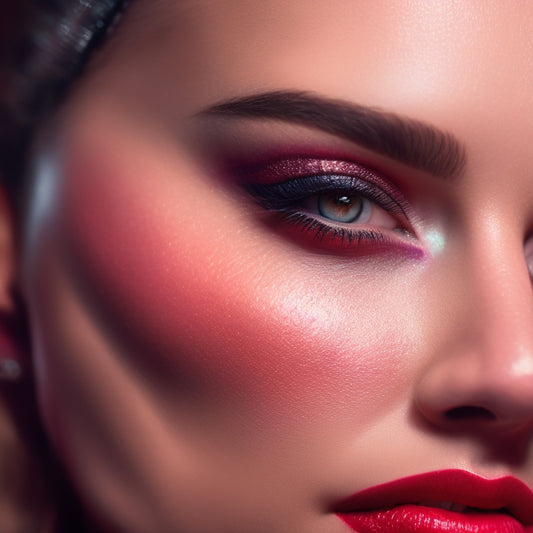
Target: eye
pixel 339 211
pixel 350 208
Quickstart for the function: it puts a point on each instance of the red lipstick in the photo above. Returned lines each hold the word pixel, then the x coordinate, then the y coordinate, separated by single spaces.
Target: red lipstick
pixel 438 502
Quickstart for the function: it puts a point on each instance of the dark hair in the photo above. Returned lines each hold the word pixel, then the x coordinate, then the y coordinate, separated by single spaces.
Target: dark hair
pixel 48 49
pixel 44 46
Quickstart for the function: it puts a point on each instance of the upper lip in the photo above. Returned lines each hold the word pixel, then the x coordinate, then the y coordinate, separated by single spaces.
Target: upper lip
pixel 504 494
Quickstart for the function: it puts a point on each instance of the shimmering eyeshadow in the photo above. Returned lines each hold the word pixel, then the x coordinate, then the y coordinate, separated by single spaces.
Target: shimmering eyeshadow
pixel 328 203
pixel 287 169
pixel 294 167
pixel 294 190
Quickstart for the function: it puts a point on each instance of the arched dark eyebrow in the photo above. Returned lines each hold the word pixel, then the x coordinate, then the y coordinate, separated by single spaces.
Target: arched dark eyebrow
pixel 406 140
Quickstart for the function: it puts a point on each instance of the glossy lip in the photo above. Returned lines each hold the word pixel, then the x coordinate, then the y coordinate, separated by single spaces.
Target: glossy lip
pixel 398 506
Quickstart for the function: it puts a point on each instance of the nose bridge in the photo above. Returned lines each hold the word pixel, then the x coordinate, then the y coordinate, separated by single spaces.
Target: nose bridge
pixel 485 362
pixel 501 303
pixel 502 332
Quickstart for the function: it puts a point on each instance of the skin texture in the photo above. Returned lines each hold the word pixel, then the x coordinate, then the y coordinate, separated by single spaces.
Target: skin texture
pixel 202 368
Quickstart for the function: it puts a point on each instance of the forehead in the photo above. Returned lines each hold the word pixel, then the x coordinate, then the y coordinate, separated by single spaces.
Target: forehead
pixel 465 66
pixel 415 54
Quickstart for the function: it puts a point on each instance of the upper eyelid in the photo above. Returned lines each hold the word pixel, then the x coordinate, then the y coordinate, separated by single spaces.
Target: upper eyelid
pixel 302 166
pixel 287 192
pixel 288 169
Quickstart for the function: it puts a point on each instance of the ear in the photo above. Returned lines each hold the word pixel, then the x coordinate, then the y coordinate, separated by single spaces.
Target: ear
pixel 14 345
pixel 29 487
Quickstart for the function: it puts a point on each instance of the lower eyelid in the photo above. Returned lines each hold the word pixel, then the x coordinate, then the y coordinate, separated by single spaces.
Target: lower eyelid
pixel 314 235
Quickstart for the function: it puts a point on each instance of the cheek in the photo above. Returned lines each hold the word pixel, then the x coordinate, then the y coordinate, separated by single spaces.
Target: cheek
pixel 216 313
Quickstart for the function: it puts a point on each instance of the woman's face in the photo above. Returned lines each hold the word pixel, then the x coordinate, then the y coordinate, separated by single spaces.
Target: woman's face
pixel 244 314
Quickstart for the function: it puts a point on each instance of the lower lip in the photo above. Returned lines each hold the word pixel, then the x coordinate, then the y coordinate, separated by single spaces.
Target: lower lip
pixel 420 519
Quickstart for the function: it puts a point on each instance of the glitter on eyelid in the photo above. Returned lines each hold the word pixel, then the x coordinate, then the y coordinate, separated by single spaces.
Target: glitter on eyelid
pixel 435 241
pixel 305 166
pixel 317 166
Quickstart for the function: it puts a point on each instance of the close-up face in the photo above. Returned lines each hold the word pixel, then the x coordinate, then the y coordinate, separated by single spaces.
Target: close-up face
pixel 277 253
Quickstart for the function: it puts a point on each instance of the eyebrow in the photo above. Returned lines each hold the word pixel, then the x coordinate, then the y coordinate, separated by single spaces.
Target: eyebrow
pixel 406 140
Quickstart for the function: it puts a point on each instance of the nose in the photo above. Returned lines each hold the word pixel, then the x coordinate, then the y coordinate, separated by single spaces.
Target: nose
pixel 480 374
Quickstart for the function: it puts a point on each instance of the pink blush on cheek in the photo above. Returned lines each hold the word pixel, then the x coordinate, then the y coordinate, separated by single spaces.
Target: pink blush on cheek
pixel 162 263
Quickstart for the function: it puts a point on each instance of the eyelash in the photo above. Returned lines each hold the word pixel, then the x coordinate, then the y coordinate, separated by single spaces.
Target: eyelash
pixel 287 198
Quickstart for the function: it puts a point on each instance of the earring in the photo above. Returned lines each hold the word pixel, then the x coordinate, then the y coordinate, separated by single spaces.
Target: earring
pixel 10 370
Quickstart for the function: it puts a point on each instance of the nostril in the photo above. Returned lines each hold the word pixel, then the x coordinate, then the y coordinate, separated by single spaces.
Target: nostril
pixel 469 412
